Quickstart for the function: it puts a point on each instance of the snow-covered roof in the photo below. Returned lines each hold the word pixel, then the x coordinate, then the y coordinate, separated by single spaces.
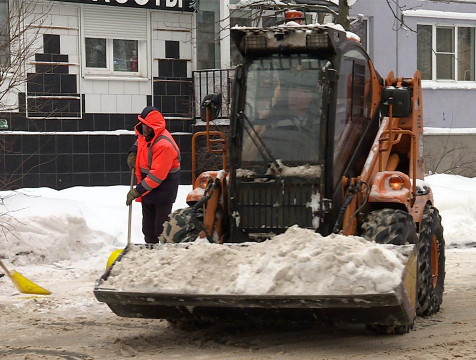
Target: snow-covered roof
pixel 278 2
pixel 349 2
pixel 316 5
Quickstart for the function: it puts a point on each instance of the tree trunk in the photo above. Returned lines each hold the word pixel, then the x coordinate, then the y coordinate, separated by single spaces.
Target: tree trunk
pixel 343 17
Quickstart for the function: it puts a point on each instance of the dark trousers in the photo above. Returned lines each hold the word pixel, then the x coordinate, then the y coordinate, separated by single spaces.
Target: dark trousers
pixel 153 218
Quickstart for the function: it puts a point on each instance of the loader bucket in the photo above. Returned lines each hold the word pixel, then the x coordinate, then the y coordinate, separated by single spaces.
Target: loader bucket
pixel 397 307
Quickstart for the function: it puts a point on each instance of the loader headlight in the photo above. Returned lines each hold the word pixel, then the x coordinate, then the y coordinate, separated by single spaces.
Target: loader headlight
pixel 204 179
pixel 396 182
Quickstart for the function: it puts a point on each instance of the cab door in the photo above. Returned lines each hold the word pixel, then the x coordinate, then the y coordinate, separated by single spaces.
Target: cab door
pixel 351 137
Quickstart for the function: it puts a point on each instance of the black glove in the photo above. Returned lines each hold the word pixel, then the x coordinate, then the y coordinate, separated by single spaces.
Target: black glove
pixel 131 195
pixel 131 160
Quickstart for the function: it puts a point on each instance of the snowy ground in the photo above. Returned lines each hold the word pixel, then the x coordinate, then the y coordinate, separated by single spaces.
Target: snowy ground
pixel 62 240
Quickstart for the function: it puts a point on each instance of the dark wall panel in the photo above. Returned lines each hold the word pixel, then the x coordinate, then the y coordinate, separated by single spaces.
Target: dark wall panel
pixel 64 160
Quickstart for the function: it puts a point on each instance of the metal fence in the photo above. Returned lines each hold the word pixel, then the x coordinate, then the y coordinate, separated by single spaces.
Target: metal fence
pixel 213 81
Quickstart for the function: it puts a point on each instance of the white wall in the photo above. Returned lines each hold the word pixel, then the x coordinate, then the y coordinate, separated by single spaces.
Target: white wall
pixel 108 94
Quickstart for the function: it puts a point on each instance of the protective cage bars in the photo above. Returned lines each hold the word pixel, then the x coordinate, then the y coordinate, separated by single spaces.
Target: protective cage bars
pixel 269 208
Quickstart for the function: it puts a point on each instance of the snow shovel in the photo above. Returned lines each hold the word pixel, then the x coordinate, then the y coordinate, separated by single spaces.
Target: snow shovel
pixel 23 284
pixel 114 255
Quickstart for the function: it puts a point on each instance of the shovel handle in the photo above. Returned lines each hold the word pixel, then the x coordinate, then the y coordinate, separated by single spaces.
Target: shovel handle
pixel 130 212
pixel 5 268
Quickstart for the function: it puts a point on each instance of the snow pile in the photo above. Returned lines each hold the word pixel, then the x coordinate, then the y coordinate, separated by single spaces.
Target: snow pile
pixel 349 2
pixel 44 225
pixel 339 27
pixel 81 226
pixel 48 225
pixel 299 262
pixel 246 3
pixel 305 171
pixel 243 3
pixel 455 198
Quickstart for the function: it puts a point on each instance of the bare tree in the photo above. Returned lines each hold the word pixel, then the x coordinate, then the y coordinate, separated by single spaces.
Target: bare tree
pixel 450 154
pixel 21 32
pixel 20 37
pixel 455 159
pixel 343 17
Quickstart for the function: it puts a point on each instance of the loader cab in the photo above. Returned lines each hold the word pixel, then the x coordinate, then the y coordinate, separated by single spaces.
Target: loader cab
pixel 281 117
pixel 301 121
pixel 276 148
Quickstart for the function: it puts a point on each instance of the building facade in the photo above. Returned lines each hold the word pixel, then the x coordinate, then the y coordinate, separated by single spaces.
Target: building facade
pixel 435 37
pixel 76 74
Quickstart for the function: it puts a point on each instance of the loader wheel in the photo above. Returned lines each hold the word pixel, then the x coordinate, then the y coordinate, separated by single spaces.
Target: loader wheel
pixel 390 226
pixel 181 226
pixel 431 263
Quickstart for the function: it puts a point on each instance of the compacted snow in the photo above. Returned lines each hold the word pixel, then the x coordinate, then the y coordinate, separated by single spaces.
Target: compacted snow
pixel 297 262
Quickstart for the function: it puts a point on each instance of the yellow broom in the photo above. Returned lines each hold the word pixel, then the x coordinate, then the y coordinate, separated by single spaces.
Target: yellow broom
pixel 23 284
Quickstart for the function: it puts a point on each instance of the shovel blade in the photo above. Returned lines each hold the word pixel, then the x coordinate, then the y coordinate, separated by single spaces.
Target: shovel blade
pixel 114 255
pixel 27 286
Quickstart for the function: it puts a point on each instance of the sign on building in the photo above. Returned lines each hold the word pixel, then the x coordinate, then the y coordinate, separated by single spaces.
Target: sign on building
pixel 172 5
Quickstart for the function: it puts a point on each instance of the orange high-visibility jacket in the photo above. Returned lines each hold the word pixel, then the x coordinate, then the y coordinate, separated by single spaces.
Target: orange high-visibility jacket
pixel 157 161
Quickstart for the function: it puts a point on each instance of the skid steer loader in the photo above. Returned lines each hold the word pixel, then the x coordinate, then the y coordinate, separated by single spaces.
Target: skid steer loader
pixel 363 146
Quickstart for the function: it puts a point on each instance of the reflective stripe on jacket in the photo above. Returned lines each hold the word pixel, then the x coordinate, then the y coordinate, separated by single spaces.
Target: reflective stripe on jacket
pixel 157 161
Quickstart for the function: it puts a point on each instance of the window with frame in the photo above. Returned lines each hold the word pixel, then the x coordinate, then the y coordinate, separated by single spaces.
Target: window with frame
pixel 112 55
pixel 113 49
pixel 208 26
pixel 446 52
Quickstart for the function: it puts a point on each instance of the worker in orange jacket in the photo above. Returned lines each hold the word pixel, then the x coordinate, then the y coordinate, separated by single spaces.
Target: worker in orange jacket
pixel 156 159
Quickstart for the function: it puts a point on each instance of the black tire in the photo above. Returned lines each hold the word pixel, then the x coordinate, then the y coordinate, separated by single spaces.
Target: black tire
pixel 181 226
pixel 431 266
pixel 390 226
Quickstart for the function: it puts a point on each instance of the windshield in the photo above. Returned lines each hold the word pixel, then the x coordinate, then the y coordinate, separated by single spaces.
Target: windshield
pixel 283 109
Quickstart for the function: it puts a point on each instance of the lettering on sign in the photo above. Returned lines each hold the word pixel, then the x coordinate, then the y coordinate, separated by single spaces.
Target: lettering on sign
pixel 173 5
